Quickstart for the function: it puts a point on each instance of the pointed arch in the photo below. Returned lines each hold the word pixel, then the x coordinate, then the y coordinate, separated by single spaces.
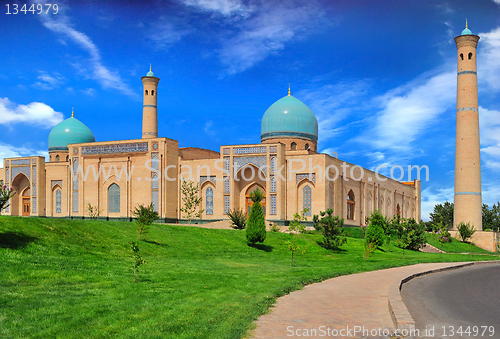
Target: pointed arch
pixel 307 200
pixel 351 205
pixel 114 198
pixel 209 200
pixel 293 146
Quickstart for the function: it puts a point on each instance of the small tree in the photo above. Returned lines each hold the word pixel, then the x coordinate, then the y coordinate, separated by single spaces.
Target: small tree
pixel 191 200
pixel 92 211
pixel 5 194
pixel 330 226
pixel 238 218
pixel 296 227
pixel 138 261
pixel 404 236
pixel 443 235
pixel 375 233
pixel 466 231
pixel 256 224
pixel 145 215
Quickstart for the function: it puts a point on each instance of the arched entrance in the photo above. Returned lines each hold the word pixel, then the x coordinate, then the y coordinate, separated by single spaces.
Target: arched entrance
pixel 26 202
pixel 249 202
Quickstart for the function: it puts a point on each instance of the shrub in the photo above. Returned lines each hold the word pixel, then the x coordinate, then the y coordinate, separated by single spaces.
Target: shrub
pixel 466 231
pixel 238 218
pixel 145 216
pixel 330 225
pixel 256 224
pixel 274 227
pixel 375 232
pixel 296 227
pixel 5 194
pixel 92 211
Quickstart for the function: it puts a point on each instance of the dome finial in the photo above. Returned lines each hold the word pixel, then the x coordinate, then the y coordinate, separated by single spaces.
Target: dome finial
pixel 72 112
pixel 150 64
pixel 288 88
pixel 466 24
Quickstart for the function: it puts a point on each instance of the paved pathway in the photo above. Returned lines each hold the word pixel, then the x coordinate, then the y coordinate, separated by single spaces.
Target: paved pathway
pixel 339 303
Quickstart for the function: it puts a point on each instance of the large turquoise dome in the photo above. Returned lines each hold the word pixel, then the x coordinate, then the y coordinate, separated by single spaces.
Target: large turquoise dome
pixel 289 117
pixel 69 131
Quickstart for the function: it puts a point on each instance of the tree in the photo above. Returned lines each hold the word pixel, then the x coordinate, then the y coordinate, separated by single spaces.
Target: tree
pixel 191 200
pixel 331 227
pixel 444 236
pixel 375 233
pixel 5 194
pixel 443 213
pixel 491 217
pixel 138 261
pixel 238 218
pixel 466 231
pixel 145 215
pixel 256 224
pixel 92 211
pixel 296 227
pixel 411 235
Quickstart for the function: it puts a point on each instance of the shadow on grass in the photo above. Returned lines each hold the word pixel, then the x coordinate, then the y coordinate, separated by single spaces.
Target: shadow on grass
pixel 155 243
pixel 262 247
pixel 330 247
pixel 15 240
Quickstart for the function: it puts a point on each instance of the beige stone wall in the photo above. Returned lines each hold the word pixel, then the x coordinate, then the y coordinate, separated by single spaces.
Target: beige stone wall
pixel 484 239
pixel 300 143
pixel 194 153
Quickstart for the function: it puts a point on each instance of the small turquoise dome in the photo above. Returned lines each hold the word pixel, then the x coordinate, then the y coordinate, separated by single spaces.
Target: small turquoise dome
pixel 289 117
pixel 466 32
pixel 69 131
pixel 150 74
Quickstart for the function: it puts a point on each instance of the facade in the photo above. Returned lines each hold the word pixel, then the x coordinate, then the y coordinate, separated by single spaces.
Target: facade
pixel 468 202
pixel 116 176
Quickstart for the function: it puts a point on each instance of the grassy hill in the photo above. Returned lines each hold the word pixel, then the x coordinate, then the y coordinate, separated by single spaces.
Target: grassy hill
pixel 73 278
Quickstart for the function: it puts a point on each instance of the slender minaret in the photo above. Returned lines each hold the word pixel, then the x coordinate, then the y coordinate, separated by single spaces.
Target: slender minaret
pixel 468 201
pixel 149 112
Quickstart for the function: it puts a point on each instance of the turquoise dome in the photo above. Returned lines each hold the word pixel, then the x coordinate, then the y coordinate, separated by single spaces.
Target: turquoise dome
pixel 466 32
pixel 69 131
pixel 289 117
pixel 150 74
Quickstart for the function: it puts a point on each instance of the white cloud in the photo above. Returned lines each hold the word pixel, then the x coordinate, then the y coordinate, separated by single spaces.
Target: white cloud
pixel 168 31
pixel 209 128
pixel 36 113
pixel 488 62
pixel 48 82
pixel 489 125
pixel 432 197
pixel 496 1
pixel 9 151
pixel 223 7
pixel 60 24
pixel 266 32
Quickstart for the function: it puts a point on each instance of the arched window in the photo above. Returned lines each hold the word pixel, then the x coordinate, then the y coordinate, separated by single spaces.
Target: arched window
pixel 209 200
pixel 114 199
pixel 306 147
pixel 293 146
pixel 306 200
pixel 398 210
pixel 57 158
pixel 470 56
pixel 146 91
pixel 153 92
pixel 351 205
pixel 461 56
pixel 273 184
pixel 67 158
pixel 58 201
pixel 274 164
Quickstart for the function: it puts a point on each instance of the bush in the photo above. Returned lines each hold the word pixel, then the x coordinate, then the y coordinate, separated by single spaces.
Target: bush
pixel 256 224
pixel 239 219
pixel 145 216
pixel 330 226
pixel 466 231
pixel 375 232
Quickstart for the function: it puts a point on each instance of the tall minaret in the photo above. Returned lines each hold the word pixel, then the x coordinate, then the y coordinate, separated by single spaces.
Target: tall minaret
pixel 468 201
pixel 149 112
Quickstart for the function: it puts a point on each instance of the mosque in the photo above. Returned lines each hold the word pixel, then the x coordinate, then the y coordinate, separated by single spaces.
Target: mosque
pixel 117 176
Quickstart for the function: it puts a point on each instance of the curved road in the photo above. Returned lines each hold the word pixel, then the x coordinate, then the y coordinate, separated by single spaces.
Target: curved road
pixel 464 297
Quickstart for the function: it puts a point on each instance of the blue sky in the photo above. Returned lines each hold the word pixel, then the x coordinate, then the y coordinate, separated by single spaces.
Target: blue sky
pixel 380 76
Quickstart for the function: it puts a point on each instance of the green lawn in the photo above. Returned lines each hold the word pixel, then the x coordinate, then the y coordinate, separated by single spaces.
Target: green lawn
pixel 73 278
pixel 455 246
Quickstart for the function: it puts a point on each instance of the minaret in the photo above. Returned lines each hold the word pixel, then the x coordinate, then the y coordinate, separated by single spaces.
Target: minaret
pixel 468 202
pixel 149 112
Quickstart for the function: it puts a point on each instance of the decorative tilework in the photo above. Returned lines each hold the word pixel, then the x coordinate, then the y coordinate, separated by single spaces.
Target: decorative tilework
pixel 55 182
pixel 461 109
pixel 117 148
pixel 154 200
pixel 273 184
pixel 288 134
pixel 114 199
pixel 310 176
pixel 155 146
pixel 250 150
pixel 34 173
pixel 273 204
pixel 273 149
pixel 34 190
pixel 75 201
pixel 260 162
pixel 24 170
pixel 226 151
pixel 21 162
pixel 206 178
pixel 274 164
pixel 7 176
pixel 226 184
pixel 226 204
pixel 75 175
pixel 58 201
pixel 148 106
pixel 467 72
pixel 226 164
pixel 33 161
pixel 33 201
pixel 306 200
pixel 155 163
pixel 155 182
pixel 209 201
